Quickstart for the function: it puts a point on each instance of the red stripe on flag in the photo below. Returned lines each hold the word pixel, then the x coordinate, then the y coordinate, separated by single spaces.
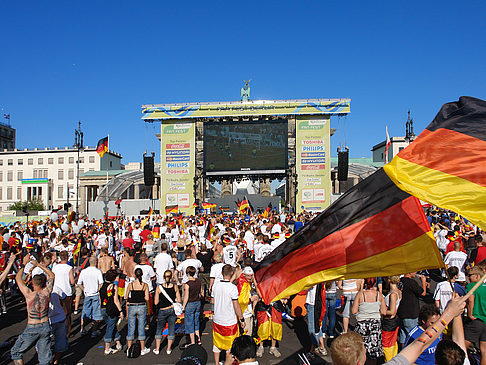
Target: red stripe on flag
pixel 225 330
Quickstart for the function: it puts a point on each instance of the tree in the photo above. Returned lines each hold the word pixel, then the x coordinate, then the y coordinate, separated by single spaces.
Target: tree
pixel 34 204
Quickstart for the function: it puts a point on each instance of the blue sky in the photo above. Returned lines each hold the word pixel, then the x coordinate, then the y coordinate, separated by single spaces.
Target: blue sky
pixel 98 62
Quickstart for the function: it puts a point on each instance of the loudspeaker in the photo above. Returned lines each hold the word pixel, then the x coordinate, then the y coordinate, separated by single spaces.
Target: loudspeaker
pixel 343 159
pixel 148 170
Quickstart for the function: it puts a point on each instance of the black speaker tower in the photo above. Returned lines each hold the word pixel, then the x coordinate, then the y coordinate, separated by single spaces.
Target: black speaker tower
pixel 148 170
pixel 343 160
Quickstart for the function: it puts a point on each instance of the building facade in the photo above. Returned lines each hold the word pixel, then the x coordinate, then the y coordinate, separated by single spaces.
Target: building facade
pixel 7 136
pixel 49 175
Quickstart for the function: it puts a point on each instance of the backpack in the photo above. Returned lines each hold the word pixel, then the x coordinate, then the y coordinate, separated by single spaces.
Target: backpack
pixel 134 350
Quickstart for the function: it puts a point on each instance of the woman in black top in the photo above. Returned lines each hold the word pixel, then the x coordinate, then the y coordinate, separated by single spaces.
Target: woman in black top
pixel 166 311
pixel 137 296
pixel 192 305
pixel 205 256
pixel 110 310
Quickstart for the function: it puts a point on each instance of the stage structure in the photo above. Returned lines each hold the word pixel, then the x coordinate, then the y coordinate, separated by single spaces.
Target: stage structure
pixel 258 139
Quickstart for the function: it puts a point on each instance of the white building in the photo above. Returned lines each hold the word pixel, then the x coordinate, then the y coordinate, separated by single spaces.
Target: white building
pixel 48 174
pixel 397 144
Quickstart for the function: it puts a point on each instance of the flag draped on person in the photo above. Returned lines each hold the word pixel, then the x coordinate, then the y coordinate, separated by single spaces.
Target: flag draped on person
pixel 445 164
pixel 102 146
pixel 223 336
pixel 377 228
pixel 244 292
pixel 269 320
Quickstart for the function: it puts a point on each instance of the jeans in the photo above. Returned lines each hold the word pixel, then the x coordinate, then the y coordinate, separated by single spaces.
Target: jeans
pixel 38 334
pixel 191 316
pixel 137 312
pixel 91 308
pixel 330 313
pixel 310 325
pixel 166 316
pixel 111 330
pixel 59 330
pixel 406 325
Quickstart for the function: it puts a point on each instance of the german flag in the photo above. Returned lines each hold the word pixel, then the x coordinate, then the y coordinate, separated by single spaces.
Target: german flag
pixel 102 146
pixel 267 210
pixel 151 211
pixel 209 231
pixel 208 205
pixel 374 229
pixel 244 292
pixel 269 320
pixel 194 205
pixel 243 206
pixel 171 209
pixel 223 336
pixel 445 165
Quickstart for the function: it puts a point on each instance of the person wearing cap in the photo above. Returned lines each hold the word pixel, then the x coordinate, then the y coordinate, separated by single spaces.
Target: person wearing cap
pixel 247 291
pixel 278 239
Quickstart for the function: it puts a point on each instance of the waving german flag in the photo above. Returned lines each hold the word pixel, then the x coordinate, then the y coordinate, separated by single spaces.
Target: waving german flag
pixel 377 228
pixel 102 146
pixel 446 164
pixel 171 209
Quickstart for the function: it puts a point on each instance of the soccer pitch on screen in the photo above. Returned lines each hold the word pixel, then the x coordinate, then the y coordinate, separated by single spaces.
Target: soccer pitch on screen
pixel 246 147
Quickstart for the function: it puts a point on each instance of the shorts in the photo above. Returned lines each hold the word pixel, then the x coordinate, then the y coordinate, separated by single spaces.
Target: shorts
pixel 59 331
pixel 475 332
pixel 91 308
pixel 79 291
pixel 349 303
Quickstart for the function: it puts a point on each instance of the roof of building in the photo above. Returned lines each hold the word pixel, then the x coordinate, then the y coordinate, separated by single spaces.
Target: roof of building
pixel 55 149
pixel 368 161
pixel 101 173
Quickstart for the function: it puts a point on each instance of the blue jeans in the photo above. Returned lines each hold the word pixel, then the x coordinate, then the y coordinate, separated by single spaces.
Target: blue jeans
pixel 59 330
pixel 166 316
pixel 406 325
pixel 111 330
pixel 92 308
pixel 38 334
pixel 310 325
pixel 137 312
pixel 330 314
pixel 191 316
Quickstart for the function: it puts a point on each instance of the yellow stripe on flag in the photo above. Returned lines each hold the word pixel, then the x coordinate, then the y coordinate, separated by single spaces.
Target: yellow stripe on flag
pixel 410 257
pixel 441 189
pixel 224 342
pixel 244 297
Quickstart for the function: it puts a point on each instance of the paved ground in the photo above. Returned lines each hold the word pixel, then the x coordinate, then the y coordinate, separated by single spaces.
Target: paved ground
pixel 90 351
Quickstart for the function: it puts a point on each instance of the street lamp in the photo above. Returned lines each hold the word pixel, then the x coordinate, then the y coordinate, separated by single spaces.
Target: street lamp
pixel 78 144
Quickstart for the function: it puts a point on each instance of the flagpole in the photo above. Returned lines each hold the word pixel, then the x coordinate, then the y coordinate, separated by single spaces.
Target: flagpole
pixel 106 185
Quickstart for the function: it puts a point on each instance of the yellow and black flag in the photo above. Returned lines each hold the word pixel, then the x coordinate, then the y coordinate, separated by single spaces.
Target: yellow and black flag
pixel 102 146
pixel 446 164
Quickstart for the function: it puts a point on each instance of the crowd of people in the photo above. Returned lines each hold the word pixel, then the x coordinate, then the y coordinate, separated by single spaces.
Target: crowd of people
pixel 152 271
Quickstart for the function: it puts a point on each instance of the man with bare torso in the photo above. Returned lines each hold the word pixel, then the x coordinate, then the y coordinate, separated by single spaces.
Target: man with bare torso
pixel 129 266
pixel 105 262
pixel 38 330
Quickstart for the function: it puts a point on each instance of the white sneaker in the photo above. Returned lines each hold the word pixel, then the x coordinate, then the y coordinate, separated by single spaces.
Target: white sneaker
pixel 259 352
pixel 273 351
pixel 169 352
pixel 156 352
pixel 145 351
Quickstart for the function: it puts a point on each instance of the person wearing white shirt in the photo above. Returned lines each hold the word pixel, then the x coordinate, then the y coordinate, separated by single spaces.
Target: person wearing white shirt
pixel 227 312
pixel 162 263
pixel 216 273
pixel 148 271
pixel 63 281
pixel 90 281
pixel 186 263
pixel 230 254
pixel 458 259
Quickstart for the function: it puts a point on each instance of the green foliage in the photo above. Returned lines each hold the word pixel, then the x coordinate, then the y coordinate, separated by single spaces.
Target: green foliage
pixel 35 204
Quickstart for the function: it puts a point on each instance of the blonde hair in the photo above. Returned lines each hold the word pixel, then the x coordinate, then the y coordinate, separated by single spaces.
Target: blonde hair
pixel 394 279
pixel 347 349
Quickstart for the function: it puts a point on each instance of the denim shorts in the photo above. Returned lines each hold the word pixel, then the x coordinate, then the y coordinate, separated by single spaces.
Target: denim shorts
pixel 137 318
pixel 38 334
pixel 91 308
pixel 349 303
pixel 166 316
pixel 191 316
pixel 59 330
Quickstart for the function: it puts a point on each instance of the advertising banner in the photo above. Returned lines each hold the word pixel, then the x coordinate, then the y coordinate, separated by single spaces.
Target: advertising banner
pixel 177 164
pixel 253 108
pixel 313 164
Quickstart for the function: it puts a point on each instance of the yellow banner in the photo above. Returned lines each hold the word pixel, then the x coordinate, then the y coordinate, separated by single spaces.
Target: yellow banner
pixel 312 153
pixel 178 165
pixel 249 108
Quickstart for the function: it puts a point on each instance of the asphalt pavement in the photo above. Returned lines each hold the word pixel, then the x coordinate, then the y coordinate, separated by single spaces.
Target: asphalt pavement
pixel 87 351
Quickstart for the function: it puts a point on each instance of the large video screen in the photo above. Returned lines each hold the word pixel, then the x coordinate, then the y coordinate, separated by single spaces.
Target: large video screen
pixel 245 147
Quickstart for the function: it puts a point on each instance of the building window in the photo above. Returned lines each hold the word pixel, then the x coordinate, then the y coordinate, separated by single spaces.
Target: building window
pixel 59 192
pixel 111 163
pixel 60 174
pixel 20 175
pixel 91 159
pixel 1 176
pixel 20 162
pixel 40 174
pixel 9 193
pixel 400 148
pixel 19 194
pixel 91 169
pixel 60 160
pixel 71 159
pixel 30 161
pixel 10 162
pixel 1 197
pixel 40 161
pixel 10 176
pixel 1 162
pixel 81 160
pixel 71 174
pixel 50 161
